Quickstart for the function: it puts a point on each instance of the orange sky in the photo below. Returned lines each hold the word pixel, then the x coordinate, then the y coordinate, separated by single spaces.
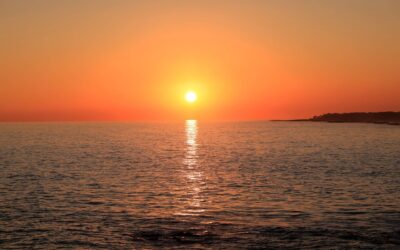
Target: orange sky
pixel 134 60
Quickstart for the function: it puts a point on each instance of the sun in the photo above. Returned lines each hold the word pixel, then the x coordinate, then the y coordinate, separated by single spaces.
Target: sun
pixel 191 96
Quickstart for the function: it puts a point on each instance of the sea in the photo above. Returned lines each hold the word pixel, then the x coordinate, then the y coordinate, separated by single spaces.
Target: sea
pixel 199 185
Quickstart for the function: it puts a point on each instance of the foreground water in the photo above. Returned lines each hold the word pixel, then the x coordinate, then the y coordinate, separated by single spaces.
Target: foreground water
pixel 199 185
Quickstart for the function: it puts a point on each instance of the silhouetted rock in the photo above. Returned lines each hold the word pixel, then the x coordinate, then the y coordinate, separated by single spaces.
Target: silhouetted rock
pixel 392 118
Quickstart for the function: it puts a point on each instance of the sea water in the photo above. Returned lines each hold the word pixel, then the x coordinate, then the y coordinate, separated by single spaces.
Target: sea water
pixel 194 184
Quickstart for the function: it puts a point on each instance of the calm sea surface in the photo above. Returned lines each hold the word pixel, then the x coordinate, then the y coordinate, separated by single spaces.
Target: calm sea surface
pixel 199 185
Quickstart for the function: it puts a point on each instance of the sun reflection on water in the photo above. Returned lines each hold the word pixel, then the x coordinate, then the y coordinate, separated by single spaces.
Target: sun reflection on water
pixel 194 175
pixel 191 144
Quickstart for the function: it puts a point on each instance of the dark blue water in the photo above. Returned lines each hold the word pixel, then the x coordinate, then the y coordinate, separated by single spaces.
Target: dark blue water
pixel 199 185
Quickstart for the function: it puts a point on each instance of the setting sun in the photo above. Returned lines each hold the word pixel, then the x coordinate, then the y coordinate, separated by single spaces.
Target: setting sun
pixel 190 96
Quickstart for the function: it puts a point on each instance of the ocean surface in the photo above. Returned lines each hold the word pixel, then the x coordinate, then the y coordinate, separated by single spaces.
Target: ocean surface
pixel 194 185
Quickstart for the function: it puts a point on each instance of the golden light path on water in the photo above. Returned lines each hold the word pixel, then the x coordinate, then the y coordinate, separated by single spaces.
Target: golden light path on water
pixel 194 175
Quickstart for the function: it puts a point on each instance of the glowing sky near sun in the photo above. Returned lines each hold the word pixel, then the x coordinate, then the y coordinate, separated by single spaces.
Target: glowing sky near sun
pixel 135 60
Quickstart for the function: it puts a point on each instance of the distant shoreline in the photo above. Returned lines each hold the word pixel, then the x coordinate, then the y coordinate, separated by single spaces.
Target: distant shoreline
pixel 387 118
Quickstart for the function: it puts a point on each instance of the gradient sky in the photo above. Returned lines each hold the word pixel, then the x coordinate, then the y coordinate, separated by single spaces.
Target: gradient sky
pixel 134 60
